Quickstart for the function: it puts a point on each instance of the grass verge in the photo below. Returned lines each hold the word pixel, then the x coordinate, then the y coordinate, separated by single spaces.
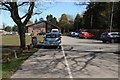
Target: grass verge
pixel 8 69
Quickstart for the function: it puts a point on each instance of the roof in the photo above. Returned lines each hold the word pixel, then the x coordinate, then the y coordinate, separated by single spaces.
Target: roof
pixel 53 33
pixel 45 22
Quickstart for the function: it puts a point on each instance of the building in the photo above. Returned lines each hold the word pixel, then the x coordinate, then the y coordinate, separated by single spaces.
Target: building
pixel 41 27
pixel 2 32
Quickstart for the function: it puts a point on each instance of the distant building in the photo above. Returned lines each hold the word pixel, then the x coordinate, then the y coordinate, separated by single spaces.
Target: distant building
pixel 2 32
pixel 41 27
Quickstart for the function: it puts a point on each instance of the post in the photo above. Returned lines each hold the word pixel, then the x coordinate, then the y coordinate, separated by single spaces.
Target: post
pixel 15 54
pixel 111 20
pixel 91 20
pixel 46 25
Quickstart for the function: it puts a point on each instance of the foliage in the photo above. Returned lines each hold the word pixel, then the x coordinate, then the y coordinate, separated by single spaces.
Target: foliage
pixel 116 15
pixel 52 19
pixel 98 15
pixel 8 29
pixel 77 23
pixel 8 69
pixel 15 28
pixel 71 25
pixel 36 20
pixel 64 23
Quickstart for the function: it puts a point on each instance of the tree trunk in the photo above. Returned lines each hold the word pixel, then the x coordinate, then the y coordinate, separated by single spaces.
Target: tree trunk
pixel 22 36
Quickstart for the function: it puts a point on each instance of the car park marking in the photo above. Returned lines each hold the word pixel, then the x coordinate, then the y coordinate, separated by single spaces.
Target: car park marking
pixel 68 67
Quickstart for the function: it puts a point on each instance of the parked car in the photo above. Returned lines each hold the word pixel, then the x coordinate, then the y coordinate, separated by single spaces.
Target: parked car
pixel 28 34
pixel 111 37
pixel 74 34
pixel 86 35
pixel 54 30
pixel 8 33
pixel 52 39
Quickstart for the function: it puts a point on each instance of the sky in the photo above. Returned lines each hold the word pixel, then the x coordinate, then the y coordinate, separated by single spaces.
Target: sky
pixel 55 8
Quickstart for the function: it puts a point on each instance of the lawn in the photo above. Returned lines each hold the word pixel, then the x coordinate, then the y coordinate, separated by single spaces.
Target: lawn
pixel 8 69
pixel 12 42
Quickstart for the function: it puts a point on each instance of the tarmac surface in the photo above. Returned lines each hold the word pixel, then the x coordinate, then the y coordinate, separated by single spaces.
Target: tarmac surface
pixel 78 58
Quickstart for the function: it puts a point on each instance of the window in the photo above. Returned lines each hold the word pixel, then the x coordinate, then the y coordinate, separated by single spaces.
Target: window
pixel 51 36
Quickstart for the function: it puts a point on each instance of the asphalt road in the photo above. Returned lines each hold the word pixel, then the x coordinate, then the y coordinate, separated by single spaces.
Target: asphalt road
pixel 78 58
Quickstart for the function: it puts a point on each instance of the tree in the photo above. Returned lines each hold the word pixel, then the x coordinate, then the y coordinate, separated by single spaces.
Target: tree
pixel 64 23
pixel 71 22
pixel 21 21
pixel 8 29
pixel 49 18
pixel 116 15
pixel 52 19
pixel 77 23
pixel 36 20
pixel 3 26
pixel 71 25
pixel 97 15
pixel 15 28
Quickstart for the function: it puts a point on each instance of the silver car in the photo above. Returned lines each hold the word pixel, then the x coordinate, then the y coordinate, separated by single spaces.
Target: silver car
pixel 110 37
pixel 52 39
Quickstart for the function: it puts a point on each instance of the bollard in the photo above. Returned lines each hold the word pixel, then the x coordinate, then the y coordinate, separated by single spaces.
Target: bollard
pixel 15 54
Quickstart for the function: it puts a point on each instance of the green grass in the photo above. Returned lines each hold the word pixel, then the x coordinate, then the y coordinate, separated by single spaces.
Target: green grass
pixel 13 40
pixel 8 69
pixel 9 43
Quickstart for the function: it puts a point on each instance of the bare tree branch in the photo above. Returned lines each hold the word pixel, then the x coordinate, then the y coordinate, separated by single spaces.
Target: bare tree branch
pixel 23 3
pixel 14 13
pixel 37 13
pixel 4 9
pixel 24 16
pixel 5 5
pixel 30 12
pixel 81 3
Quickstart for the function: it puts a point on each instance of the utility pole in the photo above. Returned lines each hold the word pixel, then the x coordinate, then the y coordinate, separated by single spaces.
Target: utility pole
pixel 91 20
pixel 111 20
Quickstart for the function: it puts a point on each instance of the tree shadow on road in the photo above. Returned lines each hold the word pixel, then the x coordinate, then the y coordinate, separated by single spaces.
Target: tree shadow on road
pixel 81 60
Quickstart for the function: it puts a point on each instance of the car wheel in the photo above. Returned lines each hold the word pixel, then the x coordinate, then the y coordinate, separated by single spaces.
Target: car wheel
pixel 45 47
pixel 112 41
pixel 85 37
pixel 59 47
pixel 104 41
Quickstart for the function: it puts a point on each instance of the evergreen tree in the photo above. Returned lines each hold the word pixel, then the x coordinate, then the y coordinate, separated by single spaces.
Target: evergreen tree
pixel 52 19
pixel 8 29
pixel 36 20
pixel 77 23
pixel 64 23
pixel 15 28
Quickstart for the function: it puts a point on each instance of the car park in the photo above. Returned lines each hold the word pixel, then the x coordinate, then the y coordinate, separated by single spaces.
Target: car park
pixel 52 39
pixel 86 35
pixel 111 37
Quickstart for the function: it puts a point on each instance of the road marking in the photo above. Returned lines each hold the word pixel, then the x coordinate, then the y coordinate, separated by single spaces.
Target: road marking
pixel 68 67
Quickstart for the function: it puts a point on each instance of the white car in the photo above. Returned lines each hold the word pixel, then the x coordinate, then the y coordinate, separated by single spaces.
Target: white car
pixel 54 30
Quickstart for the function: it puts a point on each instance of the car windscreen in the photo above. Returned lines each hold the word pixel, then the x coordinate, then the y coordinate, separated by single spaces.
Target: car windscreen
pixel 54 31
pixel 115 34
pixel 118 35
pixel 51 36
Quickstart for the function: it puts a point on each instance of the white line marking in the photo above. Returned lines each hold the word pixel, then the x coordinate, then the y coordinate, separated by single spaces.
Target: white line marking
pixel 68 67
